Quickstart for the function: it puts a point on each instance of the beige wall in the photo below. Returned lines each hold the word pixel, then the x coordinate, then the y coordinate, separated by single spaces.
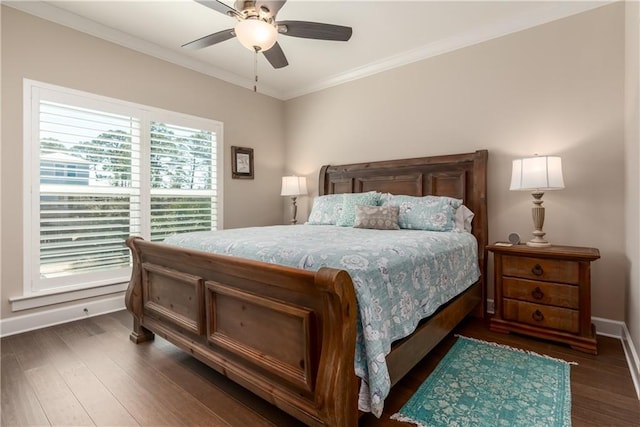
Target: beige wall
pixel 40 50
pixel 554 89
pixel 632 162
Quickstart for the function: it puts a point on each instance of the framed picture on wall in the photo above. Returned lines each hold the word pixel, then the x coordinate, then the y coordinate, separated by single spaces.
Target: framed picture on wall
pixel 241 163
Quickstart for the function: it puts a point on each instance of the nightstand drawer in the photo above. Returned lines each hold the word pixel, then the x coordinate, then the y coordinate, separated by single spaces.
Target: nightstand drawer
pixel 545 292
pixel 545 316
pixel 557 294
pixel 549 270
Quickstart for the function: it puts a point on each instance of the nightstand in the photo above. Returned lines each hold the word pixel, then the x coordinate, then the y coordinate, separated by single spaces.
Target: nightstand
pixel 545 293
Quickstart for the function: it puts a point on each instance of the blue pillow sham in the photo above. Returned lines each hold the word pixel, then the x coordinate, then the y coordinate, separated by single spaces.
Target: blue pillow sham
pixel 433 213
pixel 326 210
pixel 349 202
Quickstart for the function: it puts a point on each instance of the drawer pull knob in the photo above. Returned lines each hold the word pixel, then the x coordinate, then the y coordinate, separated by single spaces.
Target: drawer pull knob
pixel 537 293
pixel 537 316
pixel 537 270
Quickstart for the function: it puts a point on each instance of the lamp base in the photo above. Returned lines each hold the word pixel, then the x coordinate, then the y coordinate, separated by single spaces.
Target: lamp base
pixel 537 212
pixel 294 210
pixel 538 244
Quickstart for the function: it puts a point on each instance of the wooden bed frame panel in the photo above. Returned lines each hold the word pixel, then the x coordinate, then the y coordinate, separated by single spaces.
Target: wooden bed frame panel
pixel 287 334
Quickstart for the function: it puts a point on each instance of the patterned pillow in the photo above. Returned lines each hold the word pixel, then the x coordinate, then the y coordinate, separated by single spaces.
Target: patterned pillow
pixel 426 213
pixel 349 202
pixel 377 217
pixel 326 210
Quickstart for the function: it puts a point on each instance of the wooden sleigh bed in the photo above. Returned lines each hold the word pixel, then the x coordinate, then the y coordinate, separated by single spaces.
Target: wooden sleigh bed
pixel 286 334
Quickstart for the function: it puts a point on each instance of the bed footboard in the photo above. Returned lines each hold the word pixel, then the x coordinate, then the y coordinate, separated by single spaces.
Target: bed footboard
pixel 287 335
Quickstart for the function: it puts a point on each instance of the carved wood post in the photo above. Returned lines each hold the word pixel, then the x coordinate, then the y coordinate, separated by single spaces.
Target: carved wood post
pixel 337 393
pixel 133 297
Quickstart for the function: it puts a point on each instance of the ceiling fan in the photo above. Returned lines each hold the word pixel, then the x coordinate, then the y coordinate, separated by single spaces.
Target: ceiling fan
pixel 257 28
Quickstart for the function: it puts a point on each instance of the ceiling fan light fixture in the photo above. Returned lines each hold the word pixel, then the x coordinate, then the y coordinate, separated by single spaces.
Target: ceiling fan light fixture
pixel 255 34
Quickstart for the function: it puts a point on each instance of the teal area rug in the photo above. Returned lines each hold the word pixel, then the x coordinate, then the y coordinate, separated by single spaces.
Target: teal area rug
pixel 479 383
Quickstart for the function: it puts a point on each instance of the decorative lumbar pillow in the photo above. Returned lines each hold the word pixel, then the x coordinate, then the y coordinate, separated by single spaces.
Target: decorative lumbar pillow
pixel 349 202
pixel 432 213
pixel 377 217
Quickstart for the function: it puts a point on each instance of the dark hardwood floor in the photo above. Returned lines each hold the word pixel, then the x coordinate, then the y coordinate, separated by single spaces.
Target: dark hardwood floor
pixel 89 373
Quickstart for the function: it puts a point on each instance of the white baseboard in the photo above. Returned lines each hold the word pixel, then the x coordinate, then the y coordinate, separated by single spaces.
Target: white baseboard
pixel 632 359
pixel 42 319
pixel 608 327
pixel 617 329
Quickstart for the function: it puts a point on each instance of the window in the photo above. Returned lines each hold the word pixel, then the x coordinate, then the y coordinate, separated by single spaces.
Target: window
pixel 98 170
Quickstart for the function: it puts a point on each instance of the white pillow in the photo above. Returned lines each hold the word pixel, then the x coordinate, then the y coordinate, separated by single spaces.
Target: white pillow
pixel 463 218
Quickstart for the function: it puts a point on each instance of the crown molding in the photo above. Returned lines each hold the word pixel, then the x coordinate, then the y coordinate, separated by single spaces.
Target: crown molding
pixel 59 16
pixel 551 12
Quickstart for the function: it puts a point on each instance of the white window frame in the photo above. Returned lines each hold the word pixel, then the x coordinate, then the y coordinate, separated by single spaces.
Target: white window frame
pixel 33 91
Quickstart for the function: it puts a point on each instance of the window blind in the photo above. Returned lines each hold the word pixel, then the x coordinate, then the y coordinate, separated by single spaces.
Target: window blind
pixel 102 170
pixel 88 188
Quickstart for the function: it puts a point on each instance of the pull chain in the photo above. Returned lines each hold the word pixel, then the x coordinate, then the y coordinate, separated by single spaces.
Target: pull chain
pixel 255 69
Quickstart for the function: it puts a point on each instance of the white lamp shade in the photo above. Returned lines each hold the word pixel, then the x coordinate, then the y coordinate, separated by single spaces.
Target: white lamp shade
pixel 293 186
pixel 537 173
pixel 254 33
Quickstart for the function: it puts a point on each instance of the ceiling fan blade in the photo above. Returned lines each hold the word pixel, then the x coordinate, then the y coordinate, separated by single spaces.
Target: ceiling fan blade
pixel 273 5
pixel 219 7
pixel 276 57
pixel 211 39
pixel 314 30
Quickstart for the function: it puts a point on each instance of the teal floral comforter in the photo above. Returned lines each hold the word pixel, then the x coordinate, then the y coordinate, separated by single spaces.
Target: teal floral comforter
pixel 400 277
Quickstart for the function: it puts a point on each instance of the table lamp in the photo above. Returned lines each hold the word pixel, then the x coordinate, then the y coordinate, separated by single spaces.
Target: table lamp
pixel 537 174
pixel 294 186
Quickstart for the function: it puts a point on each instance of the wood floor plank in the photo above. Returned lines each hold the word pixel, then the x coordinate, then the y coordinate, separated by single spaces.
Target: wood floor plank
pixel 246 408
pixel 592 413
pixel 258 405
pixel 230 409
pixel 166 358
pixel 57 400
pixel 138 400
pixel 22 346
pixel 125 318
pixel 103 408
pixel 72 330
pixel 618 382
pixel 5 347
pixel 20 405
pixel 587 398
pixel 131 358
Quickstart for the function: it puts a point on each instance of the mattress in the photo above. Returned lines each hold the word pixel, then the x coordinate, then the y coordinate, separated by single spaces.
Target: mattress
pixel 400 277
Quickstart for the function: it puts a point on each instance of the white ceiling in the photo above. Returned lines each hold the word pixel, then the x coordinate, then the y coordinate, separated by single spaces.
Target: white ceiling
pixel 386 34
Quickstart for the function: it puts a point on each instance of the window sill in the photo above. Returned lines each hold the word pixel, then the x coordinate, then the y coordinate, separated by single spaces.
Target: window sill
pixel 42 300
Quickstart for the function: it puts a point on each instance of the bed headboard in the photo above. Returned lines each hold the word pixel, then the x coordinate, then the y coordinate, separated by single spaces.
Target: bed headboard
pixel 463 176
